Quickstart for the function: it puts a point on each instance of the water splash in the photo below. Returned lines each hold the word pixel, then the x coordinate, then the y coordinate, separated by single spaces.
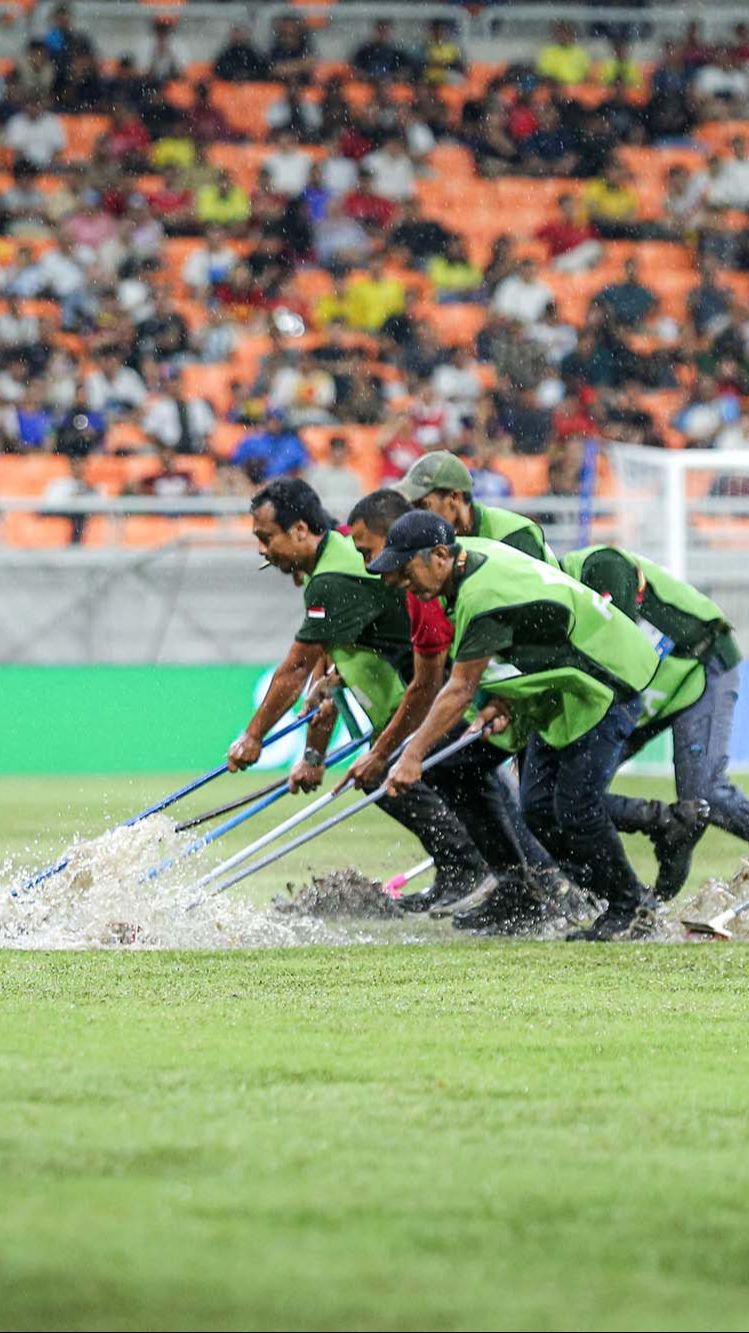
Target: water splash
pixel 97 902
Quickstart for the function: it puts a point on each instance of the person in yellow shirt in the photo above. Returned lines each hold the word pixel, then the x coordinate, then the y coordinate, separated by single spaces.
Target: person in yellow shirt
pixel 619 68
pixel 610 203
pixel 563 60
pixel 374 298
pixel 331 308
pixel 223 203
pixel 454 276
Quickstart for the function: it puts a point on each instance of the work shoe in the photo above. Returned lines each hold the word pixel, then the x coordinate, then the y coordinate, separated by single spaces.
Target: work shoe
pixel 438 893
pixel 622 923
pixel 673 839
pixel 475 894
pixel 561 896
pixel 513 907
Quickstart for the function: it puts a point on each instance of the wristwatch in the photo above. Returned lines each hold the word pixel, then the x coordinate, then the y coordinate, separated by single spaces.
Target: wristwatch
pixel 313 757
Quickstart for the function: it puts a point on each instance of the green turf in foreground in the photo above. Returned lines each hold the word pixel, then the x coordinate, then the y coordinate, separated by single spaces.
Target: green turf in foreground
pixel 530 1137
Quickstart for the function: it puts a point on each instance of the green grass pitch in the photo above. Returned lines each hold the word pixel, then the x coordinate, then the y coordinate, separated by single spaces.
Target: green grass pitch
pixel 459 1135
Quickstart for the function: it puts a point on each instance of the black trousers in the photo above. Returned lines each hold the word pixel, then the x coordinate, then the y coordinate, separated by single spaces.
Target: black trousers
pixel 441 833
pixel 563 797
pixel 485 799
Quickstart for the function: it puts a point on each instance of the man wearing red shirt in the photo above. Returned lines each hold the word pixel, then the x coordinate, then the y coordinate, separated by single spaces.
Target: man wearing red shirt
pixel 369 208
pixel 570 241
pixel 470 784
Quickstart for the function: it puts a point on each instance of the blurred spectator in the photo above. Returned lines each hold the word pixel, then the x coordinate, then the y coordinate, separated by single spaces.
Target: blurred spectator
pixel 729 188
pixel 288 167
pixel 555 338
pixel 417 238
pixel 169 482
pixel 522 295
pixel 339 239
pixel 240 61
pixel 370 209
pixel 380 57
pixel 456 383
pixel 294 114
pixel 721 87
pixel 182 424
pixel 172 204
pixel 35 70
pixel 161 56
pixel 36 134
pixel 398 447
pixel 34 424
pixel 74 486
pixel 629 301
pixel 495 152
pixel 275 450
pixel 112 387
pixel 83 88
pixel 611 204
pixel 528 425
pixel 392 171
pixel 63 41
pixel 205 123
pixel 570 240
pixel 361 399
pixel 127 140
pixel 550 150
pixel 563 60
pixel 223 203
pixel 164 335
pixel 81 429
pixel 371 299
pixel 622 116
pixel 23 207
pixel 209 263
pixel 429 419
pixel 684 200
pixel 338 172
pixel 454 277
pixel 709 304
pixel 509 346
pixel 217 339
pixel 336 482
pixel 292 52
pixel 620 67
pixel 304 393
pixel 705 413
pixel 443 60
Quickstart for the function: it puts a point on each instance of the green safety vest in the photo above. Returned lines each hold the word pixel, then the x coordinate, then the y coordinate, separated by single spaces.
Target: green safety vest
pixel 565 685
pixel 503 525
pixel 364 668
pixel 668 606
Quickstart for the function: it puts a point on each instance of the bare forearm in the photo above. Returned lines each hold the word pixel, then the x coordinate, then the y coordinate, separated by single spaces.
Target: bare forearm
pixel 447 710
pixel 320 729
pixel 409 715
pixel 284 690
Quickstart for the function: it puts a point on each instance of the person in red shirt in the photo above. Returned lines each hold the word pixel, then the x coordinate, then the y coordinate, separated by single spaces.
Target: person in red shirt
pixel 399 448
pixel 469 783
pixel 362 204
pixel 172 204
pixel 127 140
pixel 522 120
pixel 569 239
pixel 206 123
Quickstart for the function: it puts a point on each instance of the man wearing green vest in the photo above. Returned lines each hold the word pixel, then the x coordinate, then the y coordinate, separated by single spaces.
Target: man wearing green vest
pixel 566 666
pixel 441 483
pixel 361 623
pixel 694 692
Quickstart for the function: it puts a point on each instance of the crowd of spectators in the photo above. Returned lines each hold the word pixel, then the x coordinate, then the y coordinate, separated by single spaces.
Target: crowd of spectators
pixel 206 282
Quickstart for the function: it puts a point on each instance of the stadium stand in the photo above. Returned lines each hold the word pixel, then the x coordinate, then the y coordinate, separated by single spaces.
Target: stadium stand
pixel 211 269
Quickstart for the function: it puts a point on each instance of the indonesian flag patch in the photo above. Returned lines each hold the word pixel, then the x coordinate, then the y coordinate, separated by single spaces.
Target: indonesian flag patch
pixel 316 612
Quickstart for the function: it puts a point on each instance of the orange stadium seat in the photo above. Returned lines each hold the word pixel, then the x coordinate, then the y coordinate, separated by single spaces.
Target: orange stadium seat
pixel 81 135
pixel 245 105
pixel 39 530
pixel 226 437
pixel 210 382
pixel 32 474
pixel 528 474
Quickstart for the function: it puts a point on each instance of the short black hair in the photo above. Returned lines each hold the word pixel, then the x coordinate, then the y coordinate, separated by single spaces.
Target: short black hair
pixel 293 501
pixel 379 510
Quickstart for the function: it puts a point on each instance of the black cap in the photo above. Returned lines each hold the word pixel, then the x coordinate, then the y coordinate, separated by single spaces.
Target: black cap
pixel 410 534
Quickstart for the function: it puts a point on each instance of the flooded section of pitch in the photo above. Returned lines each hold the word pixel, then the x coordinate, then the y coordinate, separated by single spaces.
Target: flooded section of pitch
pixel 101 900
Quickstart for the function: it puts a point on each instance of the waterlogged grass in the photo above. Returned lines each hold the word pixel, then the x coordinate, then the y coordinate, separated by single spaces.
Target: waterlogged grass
pixel 522 1136
pixel 459 1135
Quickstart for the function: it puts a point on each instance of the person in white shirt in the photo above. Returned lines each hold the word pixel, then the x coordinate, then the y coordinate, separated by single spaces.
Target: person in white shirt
pixel 180 423
pixel 722 87
pixel 209 264
pixel 289 167
pixel 59 271
pixel 393 174
pixel 522 295
pixel 339 174
pixel 304 393
pixel 556 339
pixel 729 187
pixel 35 134
pixel 293 107
pixel 456 383
pixel 161 55
pixel 735 436
pixel 112 387
pixel 337 484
